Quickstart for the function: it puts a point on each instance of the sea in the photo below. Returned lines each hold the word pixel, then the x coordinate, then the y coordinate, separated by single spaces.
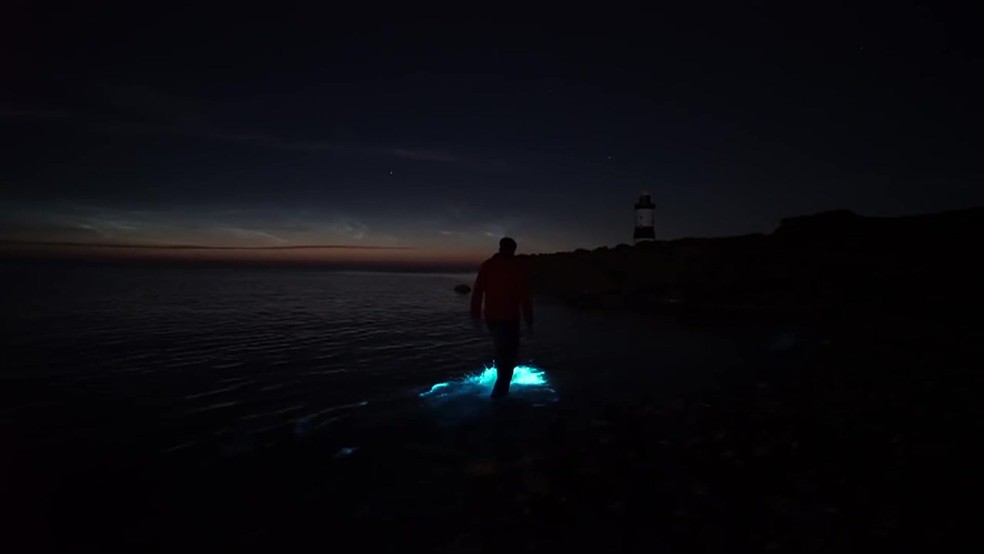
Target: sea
pixel 191 357
pixel 142 407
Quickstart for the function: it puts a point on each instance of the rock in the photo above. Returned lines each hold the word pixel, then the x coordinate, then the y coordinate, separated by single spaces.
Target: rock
pixel 462 289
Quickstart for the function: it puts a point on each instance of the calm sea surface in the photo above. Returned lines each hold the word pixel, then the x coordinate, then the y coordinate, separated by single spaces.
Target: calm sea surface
pixel 186 358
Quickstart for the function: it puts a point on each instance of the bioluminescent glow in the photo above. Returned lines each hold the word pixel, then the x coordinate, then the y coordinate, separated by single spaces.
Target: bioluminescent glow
pixel 524 376
pixel 346 451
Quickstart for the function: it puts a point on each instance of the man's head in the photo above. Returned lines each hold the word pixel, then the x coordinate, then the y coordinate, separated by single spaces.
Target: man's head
pixel 507 246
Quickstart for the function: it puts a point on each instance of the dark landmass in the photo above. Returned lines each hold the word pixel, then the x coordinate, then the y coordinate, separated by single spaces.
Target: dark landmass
pixel 814 266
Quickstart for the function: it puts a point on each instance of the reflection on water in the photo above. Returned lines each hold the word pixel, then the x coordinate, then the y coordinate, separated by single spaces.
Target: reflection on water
pixel 190 358
pixel 204 355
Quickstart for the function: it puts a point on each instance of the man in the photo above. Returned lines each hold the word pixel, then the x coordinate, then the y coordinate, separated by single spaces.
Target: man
pixel 505 285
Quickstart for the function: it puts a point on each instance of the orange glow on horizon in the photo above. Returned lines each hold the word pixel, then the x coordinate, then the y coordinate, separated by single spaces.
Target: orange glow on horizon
pixel 306 255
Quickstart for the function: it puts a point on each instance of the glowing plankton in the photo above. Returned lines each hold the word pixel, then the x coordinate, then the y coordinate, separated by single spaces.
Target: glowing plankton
pixel 523 376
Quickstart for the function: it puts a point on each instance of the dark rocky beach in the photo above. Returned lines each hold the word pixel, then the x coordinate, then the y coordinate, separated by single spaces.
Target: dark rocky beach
pixel 850 443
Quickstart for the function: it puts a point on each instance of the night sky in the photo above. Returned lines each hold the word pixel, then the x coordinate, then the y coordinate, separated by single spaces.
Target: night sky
pixel 236 124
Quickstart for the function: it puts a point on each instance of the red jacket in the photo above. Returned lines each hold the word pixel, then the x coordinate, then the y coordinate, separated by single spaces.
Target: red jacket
pixel 505 284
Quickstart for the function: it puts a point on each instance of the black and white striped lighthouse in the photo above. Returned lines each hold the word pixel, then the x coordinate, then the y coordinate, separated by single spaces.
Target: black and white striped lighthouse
pixel 644 219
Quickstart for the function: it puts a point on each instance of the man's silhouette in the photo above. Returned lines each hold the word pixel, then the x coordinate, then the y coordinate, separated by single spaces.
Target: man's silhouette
pixel 505 285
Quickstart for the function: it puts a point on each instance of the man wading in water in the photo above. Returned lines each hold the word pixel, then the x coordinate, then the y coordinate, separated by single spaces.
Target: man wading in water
pixel 505 285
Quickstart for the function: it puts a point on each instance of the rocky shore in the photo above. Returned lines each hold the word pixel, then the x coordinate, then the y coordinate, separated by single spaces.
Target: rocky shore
pixel 816 266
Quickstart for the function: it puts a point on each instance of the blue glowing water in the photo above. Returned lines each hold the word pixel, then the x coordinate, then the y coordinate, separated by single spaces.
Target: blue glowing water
pixel 482 382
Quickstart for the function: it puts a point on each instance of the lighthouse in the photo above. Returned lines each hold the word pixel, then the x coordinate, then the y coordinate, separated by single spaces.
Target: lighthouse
pixel 644 219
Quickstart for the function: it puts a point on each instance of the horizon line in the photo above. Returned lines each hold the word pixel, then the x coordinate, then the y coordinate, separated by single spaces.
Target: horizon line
pixel 197 246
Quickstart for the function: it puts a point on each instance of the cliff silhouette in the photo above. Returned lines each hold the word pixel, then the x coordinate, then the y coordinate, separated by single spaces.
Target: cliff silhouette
pixel 814 265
